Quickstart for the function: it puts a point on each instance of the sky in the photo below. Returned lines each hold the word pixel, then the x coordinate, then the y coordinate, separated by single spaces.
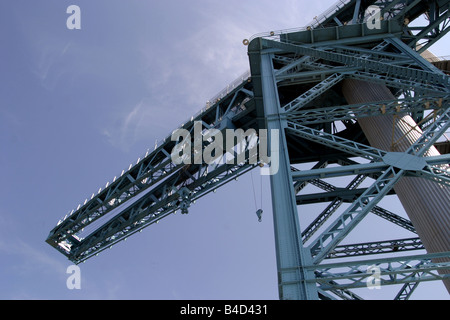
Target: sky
pixel 78 106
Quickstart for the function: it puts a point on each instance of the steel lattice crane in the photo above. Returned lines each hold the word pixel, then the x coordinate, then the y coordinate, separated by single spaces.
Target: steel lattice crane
pixel 320 87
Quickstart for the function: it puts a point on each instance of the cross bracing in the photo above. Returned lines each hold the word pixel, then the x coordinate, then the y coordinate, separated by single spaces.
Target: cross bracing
pixel 404 269
pixel 294 86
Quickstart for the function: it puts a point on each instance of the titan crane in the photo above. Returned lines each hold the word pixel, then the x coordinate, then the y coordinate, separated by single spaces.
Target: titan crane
pixel 354 94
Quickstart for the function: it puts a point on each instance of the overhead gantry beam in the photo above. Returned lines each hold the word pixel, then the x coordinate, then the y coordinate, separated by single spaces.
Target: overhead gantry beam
pixel 294 89
pixel 156 180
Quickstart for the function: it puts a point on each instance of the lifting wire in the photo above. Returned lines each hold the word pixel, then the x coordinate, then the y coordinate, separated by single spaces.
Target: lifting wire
pixel 258 211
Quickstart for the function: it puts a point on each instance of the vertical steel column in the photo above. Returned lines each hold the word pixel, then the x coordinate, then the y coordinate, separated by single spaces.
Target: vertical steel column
pixel 290 253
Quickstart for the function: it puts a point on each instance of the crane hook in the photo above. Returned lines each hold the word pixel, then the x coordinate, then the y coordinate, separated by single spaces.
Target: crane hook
pixel 259 213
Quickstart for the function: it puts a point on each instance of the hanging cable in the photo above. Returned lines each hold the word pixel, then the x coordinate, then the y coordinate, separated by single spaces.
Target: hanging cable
pixel 261 194
pixel 254 192
pixel 259 211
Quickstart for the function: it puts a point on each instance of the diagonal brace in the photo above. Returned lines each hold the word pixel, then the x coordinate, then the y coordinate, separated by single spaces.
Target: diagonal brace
pixel 354 214
pixel 355 148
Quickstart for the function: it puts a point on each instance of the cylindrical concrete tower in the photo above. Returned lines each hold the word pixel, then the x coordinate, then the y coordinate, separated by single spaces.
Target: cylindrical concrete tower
pixel 427 203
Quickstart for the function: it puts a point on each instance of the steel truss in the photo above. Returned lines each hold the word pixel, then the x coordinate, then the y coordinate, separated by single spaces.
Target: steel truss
pixel 419 88
pixel 293 87
pixel 153 188
pixel 399 270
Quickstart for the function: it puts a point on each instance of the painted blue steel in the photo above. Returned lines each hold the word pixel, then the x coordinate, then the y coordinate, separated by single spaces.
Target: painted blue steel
pixel 149 210
pixel 353 169
pixel 397 107
pixel 362 64
pixel 313 93
pixel 334 205
pixel 316 58
pixel 431 135
pixel 346 145
pixel 348 220
pixel 398 270
pixel 291 255
pixel 376 247
pixel 406 291
pixel 154 175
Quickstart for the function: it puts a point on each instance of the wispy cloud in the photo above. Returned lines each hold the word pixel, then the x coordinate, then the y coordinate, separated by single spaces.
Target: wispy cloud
pixel 31 258
pixel 26 258
pixel 129 126
pixel 50 64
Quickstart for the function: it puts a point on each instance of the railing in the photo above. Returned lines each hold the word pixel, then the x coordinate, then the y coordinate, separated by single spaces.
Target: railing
pixel 328 13
pixel 223 93
pixel 273 35
pixel 230 87
pixel 316 22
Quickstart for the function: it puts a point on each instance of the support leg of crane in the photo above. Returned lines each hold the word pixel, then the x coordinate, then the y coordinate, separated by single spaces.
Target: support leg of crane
pixel 291 255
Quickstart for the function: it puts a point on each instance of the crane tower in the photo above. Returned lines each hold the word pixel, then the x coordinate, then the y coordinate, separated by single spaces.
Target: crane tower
pixel 355 98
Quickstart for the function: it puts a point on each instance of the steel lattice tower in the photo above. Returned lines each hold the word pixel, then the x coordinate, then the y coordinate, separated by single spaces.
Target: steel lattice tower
pixel 304 83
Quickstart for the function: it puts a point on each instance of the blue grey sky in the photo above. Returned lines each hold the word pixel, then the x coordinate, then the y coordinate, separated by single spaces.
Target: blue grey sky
pixel 78 106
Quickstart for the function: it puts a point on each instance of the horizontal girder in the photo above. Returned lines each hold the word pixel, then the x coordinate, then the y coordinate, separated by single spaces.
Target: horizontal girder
pixel 307 67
